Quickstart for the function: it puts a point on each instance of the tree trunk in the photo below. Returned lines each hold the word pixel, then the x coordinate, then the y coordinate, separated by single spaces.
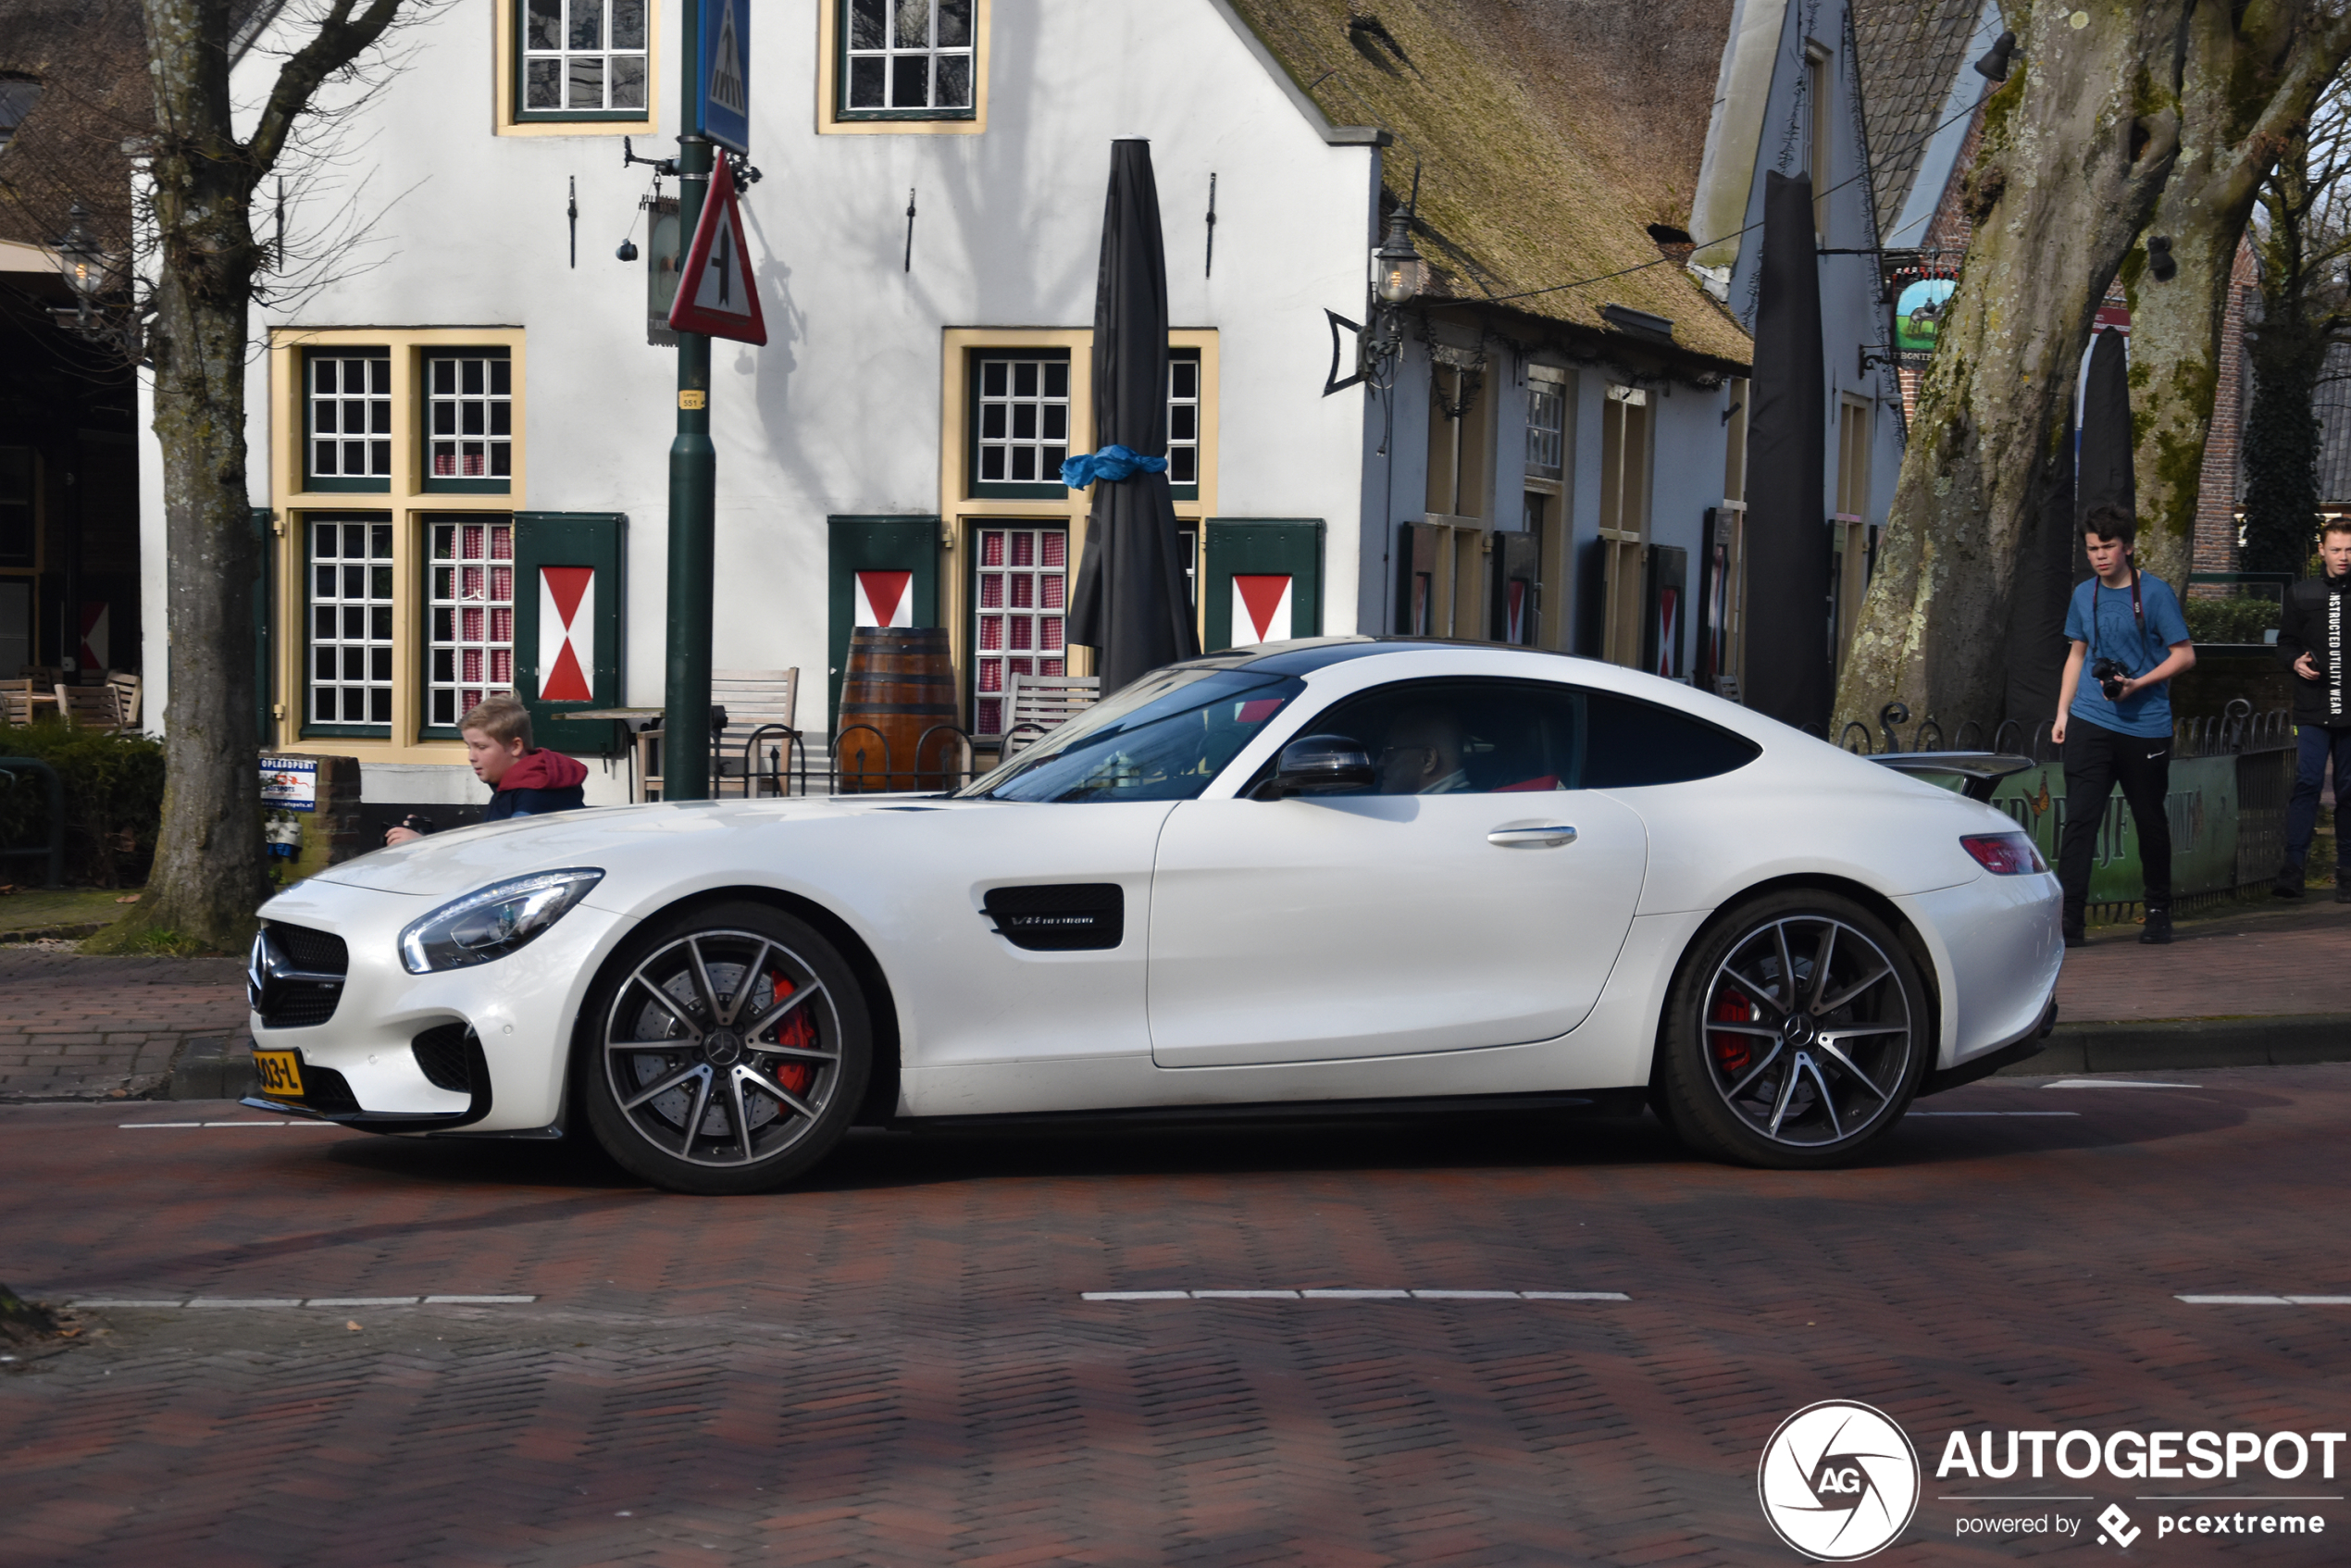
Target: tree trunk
pixel 2072 162
pixel 2238 84
pixel 209 873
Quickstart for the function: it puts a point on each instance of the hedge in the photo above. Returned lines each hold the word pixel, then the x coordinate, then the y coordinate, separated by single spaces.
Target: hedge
pixel 113 799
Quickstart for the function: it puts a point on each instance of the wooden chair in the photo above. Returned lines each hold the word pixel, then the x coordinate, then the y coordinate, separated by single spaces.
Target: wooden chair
pixel 89 707
pixel 23 700
pixel 1035 704
pixel 1728 688
pixel 755 700
pixel 125 686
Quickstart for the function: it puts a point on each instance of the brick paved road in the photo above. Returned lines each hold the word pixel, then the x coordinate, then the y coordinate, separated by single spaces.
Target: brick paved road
pixel 893 1366
pixel 85 1028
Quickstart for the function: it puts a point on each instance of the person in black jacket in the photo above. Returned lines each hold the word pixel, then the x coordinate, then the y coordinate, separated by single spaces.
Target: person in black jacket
pixel 2311 641
pixel 524 780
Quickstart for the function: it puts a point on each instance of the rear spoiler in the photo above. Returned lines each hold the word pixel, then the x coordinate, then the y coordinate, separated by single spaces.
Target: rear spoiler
pixel 1979 772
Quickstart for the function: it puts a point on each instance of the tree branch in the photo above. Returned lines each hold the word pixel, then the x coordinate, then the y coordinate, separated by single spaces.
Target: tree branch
pixel 340 41
pixel 2313 71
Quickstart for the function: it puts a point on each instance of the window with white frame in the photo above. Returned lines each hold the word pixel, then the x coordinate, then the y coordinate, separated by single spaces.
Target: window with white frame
pixel 583 59
pixel 1020 606
pixel 348 403
pixel 1183 422
pixel 906 60
pixel 1545 429
pixel 351 615
pixel 469 421
pixel 471 610
pixel 1020 424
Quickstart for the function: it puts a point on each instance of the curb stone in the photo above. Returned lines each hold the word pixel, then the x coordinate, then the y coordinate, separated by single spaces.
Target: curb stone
pixel 2169 1044
pixel 211 1067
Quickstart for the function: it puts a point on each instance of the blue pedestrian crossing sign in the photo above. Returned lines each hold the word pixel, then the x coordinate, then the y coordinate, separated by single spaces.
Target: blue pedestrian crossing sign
pixel 722 79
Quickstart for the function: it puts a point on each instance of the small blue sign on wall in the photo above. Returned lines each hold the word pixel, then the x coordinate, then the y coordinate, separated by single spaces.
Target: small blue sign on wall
pixel 721 109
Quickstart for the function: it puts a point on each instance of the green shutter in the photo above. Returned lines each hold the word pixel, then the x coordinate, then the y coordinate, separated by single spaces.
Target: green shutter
pixel 875 544
pixel 567 541
pixel 265 599
pixel 1291 547
pixel 1514 562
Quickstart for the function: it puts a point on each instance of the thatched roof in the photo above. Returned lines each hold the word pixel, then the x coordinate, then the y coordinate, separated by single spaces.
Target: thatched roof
pixel 1550 137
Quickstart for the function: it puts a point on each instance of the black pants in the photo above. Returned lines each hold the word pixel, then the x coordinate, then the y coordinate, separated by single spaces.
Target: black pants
pixel 2095 760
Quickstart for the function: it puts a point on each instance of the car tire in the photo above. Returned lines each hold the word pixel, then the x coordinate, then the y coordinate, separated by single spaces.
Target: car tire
pixel 1793 1077
pixel 723 1049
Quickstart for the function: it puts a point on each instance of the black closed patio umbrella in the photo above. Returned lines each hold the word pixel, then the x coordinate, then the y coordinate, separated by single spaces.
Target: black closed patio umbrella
pixel 1787 540
pixel 1128 604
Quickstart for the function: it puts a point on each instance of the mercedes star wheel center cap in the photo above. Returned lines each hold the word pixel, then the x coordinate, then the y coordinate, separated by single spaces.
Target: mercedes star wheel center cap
pixel 723 1047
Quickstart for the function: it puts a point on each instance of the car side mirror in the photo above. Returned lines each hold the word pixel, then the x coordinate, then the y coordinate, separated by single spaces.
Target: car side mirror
pixel 1314 765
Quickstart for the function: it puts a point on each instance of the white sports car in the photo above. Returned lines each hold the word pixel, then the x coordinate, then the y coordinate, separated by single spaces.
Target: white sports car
pixel 1351 873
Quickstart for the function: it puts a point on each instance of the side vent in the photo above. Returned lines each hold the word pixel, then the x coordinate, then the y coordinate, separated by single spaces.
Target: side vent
pixel 1059 917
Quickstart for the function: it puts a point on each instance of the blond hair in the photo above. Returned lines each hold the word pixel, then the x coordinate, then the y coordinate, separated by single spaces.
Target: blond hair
pixel 502 717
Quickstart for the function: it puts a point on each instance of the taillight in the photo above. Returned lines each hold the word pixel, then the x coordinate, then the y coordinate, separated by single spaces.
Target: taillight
pixel 2004 854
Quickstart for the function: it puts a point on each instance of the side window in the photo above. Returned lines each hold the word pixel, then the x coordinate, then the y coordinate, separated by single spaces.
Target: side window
pixel 1464 737
pixel 1629 742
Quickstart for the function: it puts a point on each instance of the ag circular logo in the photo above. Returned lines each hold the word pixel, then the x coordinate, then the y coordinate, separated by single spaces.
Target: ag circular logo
pixel 1838 1481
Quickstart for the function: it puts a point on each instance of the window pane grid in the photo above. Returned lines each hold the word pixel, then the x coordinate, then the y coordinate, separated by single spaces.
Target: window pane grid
pixel 1018 616
pixel 1546 413
pixel 471 640
pixel 1023 411
pixel 350 415
pixel 469 416
pixel 908 54
pixel 1183 420
pixel 350 606
pixel 583 56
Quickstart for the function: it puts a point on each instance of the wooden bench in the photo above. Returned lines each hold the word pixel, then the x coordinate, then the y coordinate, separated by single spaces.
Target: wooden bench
pixel 1036 703
pixel 755 700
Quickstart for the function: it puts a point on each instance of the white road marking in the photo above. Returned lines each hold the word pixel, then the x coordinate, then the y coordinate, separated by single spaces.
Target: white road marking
pixel 304 1302
pixel 1996 1113
pixel 2266 1300
pixel 281 1122
pixel 1335 1295
pixel 2112 1083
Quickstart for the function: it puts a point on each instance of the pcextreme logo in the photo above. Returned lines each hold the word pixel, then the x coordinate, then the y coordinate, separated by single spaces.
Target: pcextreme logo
pixel 1838 1481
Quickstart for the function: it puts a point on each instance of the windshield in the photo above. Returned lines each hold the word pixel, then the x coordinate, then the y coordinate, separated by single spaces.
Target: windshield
pixel 1161 739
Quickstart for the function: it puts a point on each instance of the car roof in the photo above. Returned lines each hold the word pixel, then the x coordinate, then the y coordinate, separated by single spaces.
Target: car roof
pixel 1305 655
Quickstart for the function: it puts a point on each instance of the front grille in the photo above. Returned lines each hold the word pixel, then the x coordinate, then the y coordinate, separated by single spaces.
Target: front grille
pixel 443 1054
pixel 296 976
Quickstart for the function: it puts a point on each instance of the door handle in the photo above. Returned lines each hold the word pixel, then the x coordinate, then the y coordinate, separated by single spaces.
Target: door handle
pixel 1531 838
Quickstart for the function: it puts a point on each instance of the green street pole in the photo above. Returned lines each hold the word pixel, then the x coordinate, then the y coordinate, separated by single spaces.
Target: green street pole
pixel 694 478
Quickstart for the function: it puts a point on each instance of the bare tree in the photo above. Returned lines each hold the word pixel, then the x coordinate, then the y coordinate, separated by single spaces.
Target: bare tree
pixel 2079 146
pixel 2249 83
pixel 2302 237
pixel 204 178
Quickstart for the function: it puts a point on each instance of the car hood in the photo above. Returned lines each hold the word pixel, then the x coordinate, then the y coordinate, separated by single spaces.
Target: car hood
pixel 446 865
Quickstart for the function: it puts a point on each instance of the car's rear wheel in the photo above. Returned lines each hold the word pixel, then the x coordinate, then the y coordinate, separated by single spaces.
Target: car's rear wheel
pixel 728 1050
pixel 1796 1034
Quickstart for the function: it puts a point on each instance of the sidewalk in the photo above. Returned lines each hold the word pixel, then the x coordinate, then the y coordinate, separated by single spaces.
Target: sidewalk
pixel 94 1028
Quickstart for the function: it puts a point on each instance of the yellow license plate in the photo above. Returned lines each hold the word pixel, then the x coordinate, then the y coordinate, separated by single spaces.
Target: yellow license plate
pixel 281 1072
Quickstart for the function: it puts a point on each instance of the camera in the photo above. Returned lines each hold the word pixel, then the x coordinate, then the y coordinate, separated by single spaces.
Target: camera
pixel 416 822
pixel 2109 675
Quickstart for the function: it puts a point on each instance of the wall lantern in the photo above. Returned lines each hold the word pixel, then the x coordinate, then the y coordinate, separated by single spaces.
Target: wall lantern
pixel 1399 264
pixel 1994 66
pixel 80 261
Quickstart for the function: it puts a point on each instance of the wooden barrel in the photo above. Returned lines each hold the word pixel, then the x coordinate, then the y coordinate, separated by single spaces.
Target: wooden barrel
pixel 899 684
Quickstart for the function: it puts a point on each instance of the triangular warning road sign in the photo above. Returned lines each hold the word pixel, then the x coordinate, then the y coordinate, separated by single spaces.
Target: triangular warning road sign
pixel 715 294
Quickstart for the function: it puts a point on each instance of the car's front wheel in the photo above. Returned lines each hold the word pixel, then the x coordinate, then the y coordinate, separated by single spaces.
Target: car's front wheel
pixel 729 1050
pixel 1796 1034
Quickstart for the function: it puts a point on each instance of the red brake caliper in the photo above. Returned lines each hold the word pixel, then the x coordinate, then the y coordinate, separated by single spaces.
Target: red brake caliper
pixel 1732 1053
pixel 799 1030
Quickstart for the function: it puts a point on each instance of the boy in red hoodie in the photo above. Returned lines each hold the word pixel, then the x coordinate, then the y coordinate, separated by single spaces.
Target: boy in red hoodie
pixel 526 781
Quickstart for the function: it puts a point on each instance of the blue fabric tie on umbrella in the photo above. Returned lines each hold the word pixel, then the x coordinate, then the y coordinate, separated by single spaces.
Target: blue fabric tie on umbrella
pixel 1113 463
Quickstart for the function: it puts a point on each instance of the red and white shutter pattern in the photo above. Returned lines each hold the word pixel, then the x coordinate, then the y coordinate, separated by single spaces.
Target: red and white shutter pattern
pixel 1019 619
pixel 1261 609
pixel 882 599
pixel 566 633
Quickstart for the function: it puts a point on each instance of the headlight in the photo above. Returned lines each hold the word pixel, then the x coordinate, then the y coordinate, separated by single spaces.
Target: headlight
pixel 493 922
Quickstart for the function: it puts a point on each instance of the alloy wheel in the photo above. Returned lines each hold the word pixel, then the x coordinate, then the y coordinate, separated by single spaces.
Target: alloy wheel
pixel 723 1049
pixel 1809 1034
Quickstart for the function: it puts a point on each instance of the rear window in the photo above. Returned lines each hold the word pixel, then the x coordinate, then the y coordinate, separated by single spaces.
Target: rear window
pixel 1629 743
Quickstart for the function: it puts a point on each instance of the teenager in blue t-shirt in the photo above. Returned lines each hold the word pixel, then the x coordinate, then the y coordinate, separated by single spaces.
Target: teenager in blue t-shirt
pixel 2125 740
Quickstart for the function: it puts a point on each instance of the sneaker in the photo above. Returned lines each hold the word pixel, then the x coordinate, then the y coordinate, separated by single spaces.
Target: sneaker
pixel 2342 889
pixel 2157 930
pixel 2073 937
pixel 2289 883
